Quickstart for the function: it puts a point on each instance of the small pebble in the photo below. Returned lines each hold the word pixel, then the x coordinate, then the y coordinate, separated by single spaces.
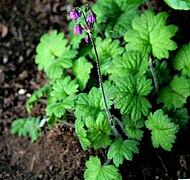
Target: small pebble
pixel 28 95
pixel 22 91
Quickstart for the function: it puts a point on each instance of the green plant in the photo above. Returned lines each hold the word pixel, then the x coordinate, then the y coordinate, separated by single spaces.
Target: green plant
pixel 136 75
pixel 27 126
pixel 179 4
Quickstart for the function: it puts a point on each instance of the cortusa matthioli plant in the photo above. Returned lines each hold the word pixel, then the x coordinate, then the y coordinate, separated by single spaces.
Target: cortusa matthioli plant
pixel 120 74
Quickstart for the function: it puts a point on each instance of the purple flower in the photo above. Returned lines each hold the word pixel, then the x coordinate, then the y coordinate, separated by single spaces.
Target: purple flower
pixel 75 14
pixel 91 18
pixel 78 29
pixel 86 39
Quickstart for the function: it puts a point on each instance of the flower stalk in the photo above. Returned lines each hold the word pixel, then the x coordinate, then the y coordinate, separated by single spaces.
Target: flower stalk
pixel 88 27
pixel 110 117
pixel 100 78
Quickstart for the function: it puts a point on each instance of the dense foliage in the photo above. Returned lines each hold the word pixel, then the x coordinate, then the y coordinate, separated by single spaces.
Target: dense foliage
pixel 143 82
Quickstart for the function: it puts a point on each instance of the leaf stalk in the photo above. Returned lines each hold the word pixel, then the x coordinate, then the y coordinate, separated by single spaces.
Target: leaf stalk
pixel 151 62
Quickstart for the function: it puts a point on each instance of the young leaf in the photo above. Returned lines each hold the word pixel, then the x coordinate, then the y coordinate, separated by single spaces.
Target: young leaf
pixel 36 96
pixel 150 34
pixel 129 93
pixel 53 54
pixel 33 128
pixel 115 16
pixel 162 130
pixel 108 50
pixel 91 104
pixel 132 62
pixel 18 126
pixel 181 61
pixel 98 131
pixel 59 109
pixel 81 69
pixel 120 149
pixel 132 127
pixel 174 96
pixel 95 171
pixel 28 126
pixel 61 88
pixel 81 133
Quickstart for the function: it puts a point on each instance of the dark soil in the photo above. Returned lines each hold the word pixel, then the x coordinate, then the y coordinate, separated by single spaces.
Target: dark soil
pixel 57 154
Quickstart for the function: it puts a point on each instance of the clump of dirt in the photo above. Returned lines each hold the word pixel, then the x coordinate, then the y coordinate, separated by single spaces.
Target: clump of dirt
pixel 57 155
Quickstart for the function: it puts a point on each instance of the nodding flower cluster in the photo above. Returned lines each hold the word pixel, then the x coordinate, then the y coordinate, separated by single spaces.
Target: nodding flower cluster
pixel 90 20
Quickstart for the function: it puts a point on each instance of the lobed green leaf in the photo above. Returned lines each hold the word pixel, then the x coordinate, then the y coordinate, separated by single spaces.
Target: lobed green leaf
pixel 61 88
pixel 82 69
pixel 82 134
pixel 98 131
pixel 59 109
pixel 162 130
pixel 36 96
pixel 108 50
pixel 95 171
pixel 91 104
pixel 115 16
pixel 28 126
pixel 178 4
pixel 129 93
pixel 132 62
pixel 120 149
pixel 181 61
pixel 150 34
pixel 175 94
pixel 53 54
pixel 133 127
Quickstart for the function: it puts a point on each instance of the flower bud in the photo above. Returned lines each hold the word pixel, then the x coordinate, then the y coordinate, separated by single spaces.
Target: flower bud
pixel 78 29
pixel 75 14
pixel 91 18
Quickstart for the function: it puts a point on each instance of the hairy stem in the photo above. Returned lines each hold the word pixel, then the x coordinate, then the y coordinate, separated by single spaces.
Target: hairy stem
pixel 100 79
pixel 110 117
pixel 148 4
pixel 153 73
pixel 107 162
